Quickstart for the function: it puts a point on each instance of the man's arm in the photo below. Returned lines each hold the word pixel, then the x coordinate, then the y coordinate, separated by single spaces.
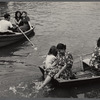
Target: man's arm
pixel 10 26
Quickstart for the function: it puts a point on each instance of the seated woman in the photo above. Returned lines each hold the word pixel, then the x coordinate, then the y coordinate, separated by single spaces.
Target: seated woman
pixel 17 17
pixel 25 22
pixel 17 20
pixel 95 59
pixel 65 62
pixel 50 66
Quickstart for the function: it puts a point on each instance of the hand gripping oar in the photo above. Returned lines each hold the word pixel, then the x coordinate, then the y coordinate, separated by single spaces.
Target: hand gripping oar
pixel 35 48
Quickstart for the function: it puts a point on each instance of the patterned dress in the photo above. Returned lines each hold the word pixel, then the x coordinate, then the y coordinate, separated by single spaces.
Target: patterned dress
pixel 65 60
pixel 95 59
pixel 62 60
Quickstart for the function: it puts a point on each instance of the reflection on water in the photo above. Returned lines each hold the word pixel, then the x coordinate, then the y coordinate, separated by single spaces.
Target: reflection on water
pixel 75 24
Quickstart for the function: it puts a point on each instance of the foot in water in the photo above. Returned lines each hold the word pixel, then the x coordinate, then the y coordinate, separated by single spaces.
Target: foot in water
pixel 38 86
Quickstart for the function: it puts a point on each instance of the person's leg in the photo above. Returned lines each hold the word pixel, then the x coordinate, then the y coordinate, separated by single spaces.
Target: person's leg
pixel 46 81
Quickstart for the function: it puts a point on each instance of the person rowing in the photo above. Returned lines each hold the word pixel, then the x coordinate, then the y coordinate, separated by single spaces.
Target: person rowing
pixel 22 24
pixel 25 22
pixel 6 25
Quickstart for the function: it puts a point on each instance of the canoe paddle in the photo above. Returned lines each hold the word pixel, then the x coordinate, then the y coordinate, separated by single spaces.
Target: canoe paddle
pixel 33 45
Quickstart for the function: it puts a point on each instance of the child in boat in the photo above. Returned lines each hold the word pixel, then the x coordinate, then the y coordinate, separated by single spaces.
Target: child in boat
pixel 50 65
pixel 95 59
pixel 65 62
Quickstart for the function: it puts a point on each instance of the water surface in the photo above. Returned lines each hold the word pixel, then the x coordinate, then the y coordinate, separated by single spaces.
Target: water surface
pixel 76 24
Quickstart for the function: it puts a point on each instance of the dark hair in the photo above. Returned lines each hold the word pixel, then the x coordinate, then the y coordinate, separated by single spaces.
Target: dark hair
pixel 98 42
pixel 24 12
pixel 61 46
pixel 6 15
pixel 53 51
pixel 16 17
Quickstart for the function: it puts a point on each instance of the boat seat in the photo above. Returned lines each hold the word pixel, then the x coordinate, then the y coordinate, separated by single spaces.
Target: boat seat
pixel 18 33
pixel 86 61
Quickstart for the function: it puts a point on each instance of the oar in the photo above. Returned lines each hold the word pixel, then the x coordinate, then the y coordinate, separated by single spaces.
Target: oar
pixel 33 45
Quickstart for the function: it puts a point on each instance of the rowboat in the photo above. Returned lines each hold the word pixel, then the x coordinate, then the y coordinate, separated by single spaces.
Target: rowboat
pixel 82 77
pixel 9 38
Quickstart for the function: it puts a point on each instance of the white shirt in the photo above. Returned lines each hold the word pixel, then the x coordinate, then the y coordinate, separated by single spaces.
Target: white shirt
pixel 50 59
pixel 5 25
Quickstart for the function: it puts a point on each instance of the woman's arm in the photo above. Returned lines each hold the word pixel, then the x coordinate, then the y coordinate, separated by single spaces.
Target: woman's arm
pixel 93 57
pixel 28 19
pixel 60 71
pixel 68 64
pixel 17 22
pixel 63 68
pixel 29 24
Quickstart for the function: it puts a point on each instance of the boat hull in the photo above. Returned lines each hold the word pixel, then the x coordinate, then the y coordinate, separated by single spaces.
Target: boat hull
pixel 84 77
pixel 78 82
pixel 12 38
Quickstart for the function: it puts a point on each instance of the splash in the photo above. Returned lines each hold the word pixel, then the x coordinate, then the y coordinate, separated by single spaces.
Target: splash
pixel 13 89
pixel 27 90
pixel 30 89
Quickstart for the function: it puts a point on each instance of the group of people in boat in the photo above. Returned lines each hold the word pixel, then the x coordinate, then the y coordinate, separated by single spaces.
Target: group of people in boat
pixel 59 62
pixel 21 20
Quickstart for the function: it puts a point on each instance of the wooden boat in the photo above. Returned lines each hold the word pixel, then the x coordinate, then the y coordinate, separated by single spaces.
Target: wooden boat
pixel 82 77
pixel 9 38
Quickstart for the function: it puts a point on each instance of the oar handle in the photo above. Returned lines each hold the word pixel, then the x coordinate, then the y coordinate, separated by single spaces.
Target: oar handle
pixel 27 38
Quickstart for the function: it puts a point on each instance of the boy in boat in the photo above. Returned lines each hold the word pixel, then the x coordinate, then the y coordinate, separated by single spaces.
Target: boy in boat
pixel 50 66
pixel 5 24
pixel 95 59
pixel 65 62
